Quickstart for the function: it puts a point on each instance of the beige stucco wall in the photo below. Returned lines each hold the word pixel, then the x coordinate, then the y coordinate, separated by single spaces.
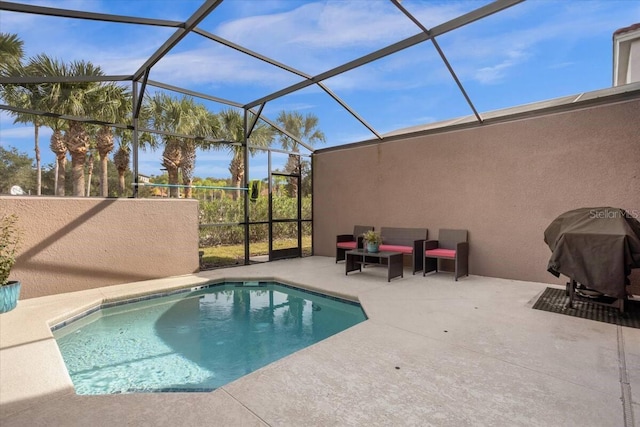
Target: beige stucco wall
pixel 72 244
pixel 503 182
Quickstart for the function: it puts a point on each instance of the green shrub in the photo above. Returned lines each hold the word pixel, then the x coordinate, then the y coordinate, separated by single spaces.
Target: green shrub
pixel 9 240
pixel 227 210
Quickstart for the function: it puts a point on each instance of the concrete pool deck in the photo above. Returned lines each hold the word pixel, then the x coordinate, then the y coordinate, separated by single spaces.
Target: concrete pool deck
pixel 433 352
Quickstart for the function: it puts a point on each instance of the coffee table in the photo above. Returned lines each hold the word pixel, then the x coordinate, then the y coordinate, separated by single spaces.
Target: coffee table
pixel 357 258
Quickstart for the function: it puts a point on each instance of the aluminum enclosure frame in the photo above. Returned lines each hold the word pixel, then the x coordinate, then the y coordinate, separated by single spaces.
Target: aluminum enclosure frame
pixel 140 77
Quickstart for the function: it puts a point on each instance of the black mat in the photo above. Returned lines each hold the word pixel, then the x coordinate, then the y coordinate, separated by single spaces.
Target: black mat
pixel 555 301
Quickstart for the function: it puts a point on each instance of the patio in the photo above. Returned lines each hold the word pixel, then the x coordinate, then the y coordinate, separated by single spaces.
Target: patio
pixel 433 352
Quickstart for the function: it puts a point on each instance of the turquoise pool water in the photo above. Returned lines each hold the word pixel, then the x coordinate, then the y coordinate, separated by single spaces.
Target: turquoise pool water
pixel 197 340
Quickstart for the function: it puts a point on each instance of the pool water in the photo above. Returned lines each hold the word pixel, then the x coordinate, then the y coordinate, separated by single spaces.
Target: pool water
pixel 196 341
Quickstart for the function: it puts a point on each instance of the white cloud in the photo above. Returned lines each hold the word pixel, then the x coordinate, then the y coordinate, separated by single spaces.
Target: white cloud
pixel 288 106
pixel 333 25
pixel 16 133
pixel 318 36
pixel 487 51
pixel 215 66
pixel 497 72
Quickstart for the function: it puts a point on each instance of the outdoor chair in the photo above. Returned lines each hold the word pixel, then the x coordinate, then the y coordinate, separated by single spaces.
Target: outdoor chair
pixel 348 242
pixel 451 245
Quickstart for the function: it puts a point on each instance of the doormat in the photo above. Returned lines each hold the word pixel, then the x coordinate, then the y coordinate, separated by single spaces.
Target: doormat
pixel 555 301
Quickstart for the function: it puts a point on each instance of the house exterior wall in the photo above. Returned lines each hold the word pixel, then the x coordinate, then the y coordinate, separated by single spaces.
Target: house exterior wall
pixel 504 182
pixel 626 55
pixel 72 244
pixel 633 71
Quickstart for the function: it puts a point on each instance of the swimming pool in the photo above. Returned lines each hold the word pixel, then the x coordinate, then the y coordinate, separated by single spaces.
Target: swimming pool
pixel 196 340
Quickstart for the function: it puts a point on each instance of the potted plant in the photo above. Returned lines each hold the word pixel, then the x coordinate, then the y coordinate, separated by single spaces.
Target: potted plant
pixel 373 240
pixel 9 240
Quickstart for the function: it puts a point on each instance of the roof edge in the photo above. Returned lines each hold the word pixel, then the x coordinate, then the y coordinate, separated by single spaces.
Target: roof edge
pixel 584 100
pixel 631 27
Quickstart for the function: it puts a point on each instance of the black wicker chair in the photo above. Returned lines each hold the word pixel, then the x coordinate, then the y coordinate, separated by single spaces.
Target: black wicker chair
pixel 451 245
pixel 347 242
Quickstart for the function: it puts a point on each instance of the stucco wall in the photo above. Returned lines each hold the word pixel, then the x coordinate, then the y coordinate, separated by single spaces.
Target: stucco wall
pixel 503 182
pixel 72 244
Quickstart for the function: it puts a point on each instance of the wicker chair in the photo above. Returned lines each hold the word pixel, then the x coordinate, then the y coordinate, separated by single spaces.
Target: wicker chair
pixel 452 245
pixel 347 242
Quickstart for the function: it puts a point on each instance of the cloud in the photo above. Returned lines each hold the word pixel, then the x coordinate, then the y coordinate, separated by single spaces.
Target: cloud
pixel 489 50
pixel 17 133
pixel 332 25
pixel 497 72
pixel 216 66
pixel 288 106
pixel 318 36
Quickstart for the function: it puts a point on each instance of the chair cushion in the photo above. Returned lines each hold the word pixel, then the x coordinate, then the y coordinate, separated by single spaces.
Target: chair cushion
pixel 346 245
pixel 397 248
pixel 441 253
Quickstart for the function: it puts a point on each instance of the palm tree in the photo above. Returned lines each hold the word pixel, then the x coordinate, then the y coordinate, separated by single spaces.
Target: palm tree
pixel 204 124
pixel 76 140
pixel 104 145
pixel 232 130
pixel 90 163
pixel 121 160
pixel 11 53
pixel 305 128
pixel 26 96
pixel 171 159
pixel 59 148
pixel 181 116
pixel 48 97
pixel 163 113
pixel 114 105
pixel 78 99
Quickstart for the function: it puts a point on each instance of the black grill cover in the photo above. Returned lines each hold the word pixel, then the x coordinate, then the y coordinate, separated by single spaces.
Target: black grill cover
pixel 596 247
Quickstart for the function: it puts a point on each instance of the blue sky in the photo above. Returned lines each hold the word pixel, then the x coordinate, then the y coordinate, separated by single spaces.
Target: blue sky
pixel 536 50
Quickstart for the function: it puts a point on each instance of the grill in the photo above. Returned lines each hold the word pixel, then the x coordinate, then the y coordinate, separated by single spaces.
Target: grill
pixel 596 248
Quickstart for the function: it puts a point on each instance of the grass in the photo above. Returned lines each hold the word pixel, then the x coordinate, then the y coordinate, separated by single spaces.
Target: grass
pixel 234 254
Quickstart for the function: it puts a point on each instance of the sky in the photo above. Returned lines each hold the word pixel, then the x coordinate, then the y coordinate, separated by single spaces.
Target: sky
pixel 536 50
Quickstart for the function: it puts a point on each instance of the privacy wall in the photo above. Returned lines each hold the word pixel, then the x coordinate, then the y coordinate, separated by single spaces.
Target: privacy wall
pixel 72 244
pixel 504 182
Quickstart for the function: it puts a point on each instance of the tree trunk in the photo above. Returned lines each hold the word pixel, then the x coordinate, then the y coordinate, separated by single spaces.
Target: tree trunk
pixel 121 160
pixel 62 167
pixel 188 164
pixel 77 142
pixel 36 128
pixel 172 171
pixel 77 167
pixel 292 167
pixel 104 177
pixel 59 148
pixel 171 158
pixel 121 183
pixel 89 174
pixel 187 190
pixel 55 180
pixel 237 173
pixel 104 144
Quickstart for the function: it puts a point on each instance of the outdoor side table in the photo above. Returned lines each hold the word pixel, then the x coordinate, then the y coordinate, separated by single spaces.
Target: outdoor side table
pixel 358 258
